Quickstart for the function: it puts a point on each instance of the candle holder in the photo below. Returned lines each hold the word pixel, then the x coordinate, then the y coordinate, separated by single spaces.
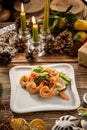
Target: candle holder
pixel 45 35
pixel 34 49
pixel 24 34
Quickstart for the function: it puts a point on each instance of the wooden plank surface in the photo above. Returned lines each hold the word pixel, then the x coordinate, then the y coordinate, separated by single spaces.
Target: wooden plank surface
pixel 46 58
pixel 48 116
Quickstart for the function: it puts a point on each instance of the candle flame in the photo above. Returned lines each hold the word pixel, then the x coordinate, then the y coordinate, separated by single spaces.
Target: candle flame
pixel 22 7
pixel 33 20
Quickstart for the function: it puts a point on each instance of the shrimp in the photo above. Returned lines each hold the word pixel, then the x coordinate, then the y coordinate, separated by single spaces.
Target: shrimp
pixel 54 79
pixel 32 75
pixel 31 87
pixel 23 81
pixel 55 73
pixel 48 69
pixel 45 92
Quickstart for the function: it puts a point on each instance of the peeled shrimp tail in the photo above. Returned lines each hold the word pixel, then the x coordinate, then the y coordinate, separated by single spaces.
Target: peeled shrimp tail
pixel 63 95
pixel 40 85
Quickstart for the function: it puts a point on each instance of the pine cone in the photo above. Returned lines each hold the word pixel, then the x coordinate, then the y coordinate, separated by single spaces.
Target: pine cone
pixel 73 51
pixel 5 118
pixel 31 54
pixel 5 58
pixel 49 46
pixel 61 44
pixel 20 45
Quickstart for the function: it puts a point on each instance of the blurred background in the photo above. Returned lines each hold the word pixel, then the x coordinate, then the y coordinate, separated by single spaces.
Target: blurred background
pixel 10 9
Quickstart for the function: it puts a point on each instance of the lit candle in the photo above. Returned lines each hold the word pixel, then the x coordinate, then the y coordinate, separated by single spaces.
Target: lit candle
pixel 23 18
pixel 35 30
pixel 46 16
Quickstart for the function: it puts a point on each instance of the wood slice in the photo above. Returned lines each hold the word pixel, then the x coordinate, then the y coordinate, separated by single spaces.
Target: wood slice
pixel 30 7
pixel 38 15
pixel 62 5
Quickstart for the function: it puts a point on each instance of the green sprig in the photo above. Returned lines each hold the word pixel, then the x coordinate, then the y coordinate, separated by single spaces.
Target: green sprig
pixel 70 18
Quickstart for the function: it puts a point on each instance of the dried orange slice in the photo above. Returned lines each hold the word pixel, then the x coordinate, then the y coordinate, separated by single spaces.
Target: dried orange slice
pixel 40 128
pixel 38 123
pixel 37 128
pixel 26 127
pixel 19 123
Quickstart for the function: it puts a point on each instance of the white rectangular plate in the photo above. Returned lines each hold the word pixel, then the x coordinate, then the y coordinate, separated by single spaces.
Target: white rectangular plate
pixel 21 101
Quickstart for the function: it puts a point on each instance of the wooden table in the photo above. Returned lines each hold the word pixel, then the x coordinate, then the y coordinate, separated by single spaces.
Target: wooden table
pixel 48 116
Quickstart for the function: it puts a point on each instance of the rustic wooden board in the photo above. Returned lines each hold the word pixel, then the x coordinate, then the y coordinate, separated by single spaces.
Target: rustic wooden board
pixel 54 58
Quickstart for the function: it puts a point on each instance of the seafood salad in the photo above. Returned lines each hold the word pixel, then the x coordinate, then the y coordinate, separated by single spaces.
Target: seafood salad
pixel 46 82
